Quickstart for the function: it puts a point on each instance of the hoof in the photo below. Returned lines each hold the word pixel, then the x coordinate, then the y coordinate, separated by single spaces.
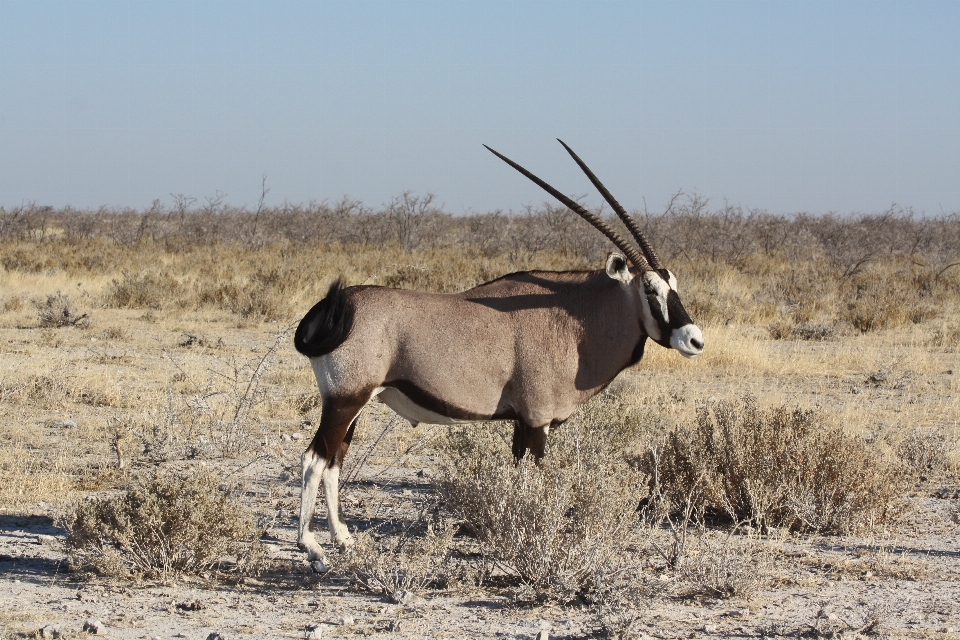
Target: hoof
pixel 342 537
pixel 320 566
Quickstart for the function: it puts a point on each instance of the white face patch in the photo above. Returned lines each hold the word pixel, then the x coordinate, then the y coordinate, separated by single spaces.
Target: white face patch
pixel 652 281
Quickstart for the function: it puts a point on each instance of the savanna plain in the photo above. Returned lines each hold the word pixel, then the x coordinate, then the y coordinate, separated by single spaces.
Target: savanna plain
pixel 800 479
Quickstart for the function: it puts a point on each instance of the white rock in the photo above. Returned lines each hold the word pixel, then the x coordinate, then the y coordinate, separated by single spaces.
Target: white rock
pixel 50 631
pixel 93 626
pixel 314 632
pixel 296 436
pixel 347 621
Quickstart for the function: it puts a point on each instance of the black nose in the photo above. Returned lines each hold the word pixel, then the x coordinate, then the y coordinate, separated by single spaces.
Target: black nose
pixel 697 344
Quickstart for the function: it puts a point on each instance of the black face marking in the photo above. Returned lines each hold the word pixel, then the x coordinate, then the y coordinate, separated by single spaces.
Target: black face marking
pixel 678 315
pixel 430 402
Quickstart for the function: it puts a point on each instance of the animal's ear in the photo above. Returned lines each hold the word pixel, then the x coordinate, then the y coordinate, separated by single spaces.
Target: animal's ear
pixel 617 268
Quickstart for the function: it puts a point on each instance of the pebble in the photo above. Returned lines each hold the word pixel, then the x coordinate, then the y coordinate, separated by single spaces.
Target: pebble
pixel 93 626
pixel 313 632
pixel 347 621
pixel 296 436
pixel 285 438
pixel 46 539
pixel 711 628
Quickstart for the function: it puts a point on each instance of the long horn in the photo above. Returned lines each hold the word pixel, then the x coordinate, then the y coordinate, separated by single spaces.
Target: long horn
pixel 621 212
pixel 629 250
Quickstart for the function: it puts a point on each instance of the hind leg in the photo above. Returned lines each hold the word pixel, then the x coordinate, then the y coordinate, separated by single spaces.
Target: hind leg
pixel 321 463
pixel 339 533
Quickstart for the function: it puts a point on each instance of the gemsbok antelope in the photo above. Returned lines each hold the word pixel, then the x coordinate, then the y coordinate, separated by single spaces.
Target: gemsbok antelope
pixel 528 347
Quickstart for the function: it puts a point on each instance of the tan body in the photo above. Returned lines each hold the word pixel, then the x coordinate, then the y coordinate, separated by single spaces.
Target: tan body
pixel 550 341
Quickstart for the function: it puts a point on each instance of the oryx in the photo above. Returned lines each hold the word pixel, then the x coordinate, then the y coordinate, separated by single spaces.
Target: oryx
pixel 528 347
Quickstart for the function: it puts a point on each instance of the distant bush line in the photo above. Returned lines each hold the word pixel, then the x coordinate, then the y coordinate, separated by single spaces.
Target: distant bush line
pixel 688 229
pixel 801 276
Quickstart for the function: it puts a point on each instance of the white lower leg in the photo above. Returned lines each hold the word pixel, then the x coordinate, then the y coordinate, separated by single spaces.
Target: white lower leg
pixel 311 464
pixel 331 491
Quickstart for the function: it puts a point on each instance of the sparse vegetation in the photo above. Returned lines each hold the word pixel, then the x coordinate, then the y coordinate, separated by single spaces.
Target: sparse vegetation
pixel 186 370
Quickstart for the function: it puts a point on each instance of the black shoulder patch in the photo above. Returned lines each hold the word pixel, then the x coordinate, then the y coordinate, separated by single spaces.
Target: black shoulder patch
pixel 637 352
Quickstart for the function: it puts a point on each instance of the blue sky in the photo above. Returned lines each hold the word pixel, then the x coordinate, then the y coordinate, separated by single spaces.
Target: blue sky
pixel 783 106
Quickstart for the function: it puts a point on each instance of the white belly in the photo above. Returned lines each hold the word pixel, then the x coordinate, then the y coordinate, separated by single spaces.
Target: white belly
pixel 410 410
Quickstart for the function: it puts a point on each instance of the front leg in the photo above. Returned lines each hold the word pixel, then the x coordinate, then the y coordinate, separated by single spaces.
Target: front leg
pixel 526 438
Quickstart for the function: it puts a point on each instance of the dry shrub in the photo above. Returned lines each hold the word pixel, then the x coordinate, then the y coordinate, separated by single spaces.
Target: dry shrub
pixel 142 291
pixel 264 295
pixel 924 451
pixel 785 330
pixel 945 338
pixel 13 303
pixel 162 526
pixel 725 567
pixel 391 565
pixel 557 526
pixel 777 467
pixel 56 311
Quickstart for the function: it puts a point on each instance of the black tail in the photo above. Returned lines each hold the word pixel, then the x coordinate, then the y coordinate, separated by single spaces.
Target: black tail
pixel 326 325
